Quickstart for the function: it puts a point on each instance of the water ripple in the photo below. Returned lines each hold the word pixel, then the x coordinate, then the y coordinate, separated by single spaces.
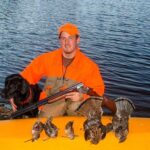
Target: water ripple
pixel 117 40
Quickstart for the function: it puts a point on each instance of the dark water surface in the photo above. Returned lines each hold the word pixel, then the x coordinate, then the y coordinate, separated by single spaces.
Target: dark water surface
pixel 114 33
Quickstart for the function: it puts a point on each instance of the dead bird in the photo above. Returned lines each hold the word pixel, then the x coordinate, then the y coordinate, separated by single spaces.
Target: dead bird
pixel 50 129
pixel 92 104
pixel 120 121
pixel 120 127
pixel 36 131
pixel 94 130
pixel 69 130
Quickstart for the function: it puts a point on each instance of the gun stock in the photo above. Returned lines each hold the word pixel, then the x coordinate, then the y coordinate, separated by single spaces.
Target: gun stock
pixel 49 99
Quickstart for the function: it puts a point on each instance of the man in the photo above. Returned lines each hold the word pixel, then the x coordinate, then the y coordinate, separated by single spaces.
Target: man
pixel 64 67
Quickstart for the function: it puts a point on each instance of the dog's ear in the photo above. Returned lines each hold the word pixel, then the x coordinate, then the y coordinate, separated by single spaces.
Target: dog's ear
pixel 25 86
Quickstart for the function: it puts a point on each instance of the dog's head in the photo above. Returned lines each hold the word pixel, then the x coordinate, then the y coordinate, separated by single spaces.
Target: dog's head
pixel 16 87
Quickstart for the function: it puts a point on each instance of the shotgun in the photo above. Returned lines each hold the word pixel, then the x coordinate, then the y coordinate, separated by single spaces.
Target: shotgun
pixel 79 87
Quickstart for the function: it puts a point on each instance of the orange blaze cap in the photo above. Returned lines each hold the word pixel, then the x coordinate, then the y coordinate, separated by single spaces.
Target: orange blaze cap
pixel 69 28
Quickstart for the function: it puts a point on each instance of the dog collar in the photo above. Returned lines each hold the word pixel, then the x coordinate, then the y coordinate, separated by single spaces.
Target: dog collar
pixel 28 100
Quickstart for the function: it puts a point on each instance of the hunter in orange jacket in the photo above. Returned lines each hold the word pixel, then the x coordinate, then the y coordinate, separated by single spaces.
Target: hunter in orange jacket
pixel 62 68
pixel 49 65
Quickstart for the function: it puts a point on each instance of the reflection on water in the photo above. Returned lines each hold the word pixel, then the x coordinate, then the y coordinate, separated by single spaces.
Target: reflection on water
pixel 114 33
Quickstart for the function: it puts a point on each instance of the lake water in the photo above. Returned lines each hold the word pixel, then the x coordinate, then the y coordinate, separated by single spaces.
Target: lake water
pixel 114 33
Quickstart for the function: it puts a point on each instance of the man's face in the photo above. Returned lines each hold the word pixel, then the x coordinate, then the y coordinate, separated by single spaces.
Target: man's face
pixel 68 43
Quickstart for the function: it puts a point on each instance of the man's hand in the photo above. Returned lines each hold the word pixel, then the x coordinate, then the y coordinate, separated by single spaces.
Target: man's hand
pixel 14 107
pixel 74 96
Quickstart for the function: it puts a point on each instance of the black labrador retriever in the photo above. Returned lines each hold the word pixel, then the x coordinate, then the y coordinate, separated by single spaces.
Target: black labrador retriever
pixel 23 93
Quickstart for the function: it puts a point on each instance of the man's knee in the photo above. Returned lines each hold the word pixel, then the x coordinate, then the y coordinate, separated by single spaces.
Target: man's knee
pixel 53 109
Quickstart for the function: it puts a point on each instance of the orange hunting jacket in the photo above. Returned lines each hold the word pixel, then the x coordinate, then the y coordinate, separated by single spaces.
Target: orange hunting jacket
pixel 49 65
